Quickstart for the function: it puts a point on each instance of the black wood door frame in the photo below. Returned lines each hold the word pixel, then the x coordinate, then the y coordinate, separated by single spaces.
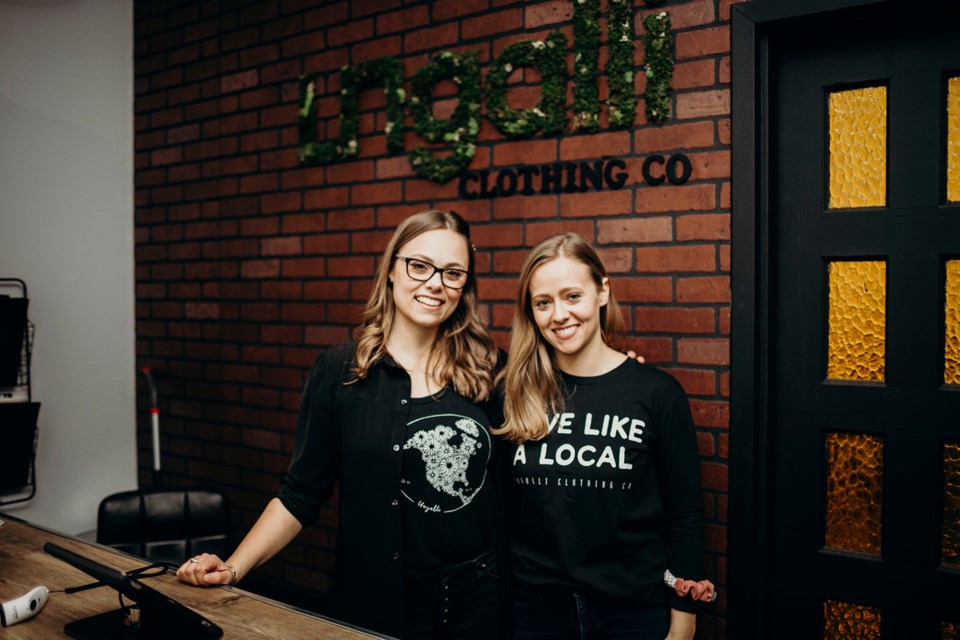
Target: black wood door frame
pixel 755 25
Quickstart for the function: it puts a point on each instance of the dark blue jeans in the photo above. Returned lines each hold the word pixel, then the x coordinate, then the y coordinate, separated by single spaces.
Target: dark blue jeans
pixel 564 614
pixel 460 601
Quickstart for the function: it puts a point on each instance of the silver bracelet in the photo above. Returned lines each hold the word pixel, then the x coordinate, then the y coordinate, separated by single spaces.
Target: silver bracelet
pixel 234 572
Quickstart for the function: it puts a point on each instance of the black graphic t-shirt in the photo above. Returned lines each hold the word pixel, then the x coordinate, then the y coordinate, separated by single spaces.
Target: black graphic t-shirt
pixel 611 497
pixel 448 501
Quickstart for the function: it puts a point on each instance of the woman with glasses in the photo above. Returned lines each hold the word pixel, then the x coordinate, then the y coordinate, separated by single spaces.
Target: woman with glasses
pixel 397 418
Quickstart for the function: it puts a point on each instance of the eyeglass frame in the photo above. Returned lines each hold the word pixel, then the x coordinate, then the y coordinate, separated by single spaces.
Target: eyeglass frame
pixel 436 269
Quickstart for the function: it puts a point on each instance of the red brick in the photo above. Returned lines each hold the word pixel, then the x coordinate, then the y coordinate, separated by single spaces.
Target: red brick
pixel 303 267
pixel 681 258
pixel 709 289
pixel 595 145
pixel 286 246
pixel 446 9
pixel 725 195
pixel 710 226
pixel 546 13
pixel 497 235
pixel 398 167
pixel 402 20
pixel 592 204
pixel 304 223
pixel 526 207
pixel 355 218
pixel 696 382
pixel 357 266
pixel 430 38
pixel 281 334
pixel 689 14
pixel 710 351
pixel 425 190
pixel 258 141
pixel 702 42
pixel 641 289
pixel 725 321
pixel 344 313
pixel 490 23
pixel 260 268
pixel 326 290
pixel 377 48
pixel 259 182
pixel 326 335
pixel 350 33
pixel 664 197
pixel 714 476
pixel 505 261
pixel 356 171
pixel 534 232
pixel 238 81
pixel 331 13
pixel 279 202
pixel 376 193
pixel 691 75
pixel 258 98
pixel 699 104
pixel 654 350
pixel 522 152
pixel 706 447
pixel 616 259
pixel 725 384
pixel 674 320
pixel 635 230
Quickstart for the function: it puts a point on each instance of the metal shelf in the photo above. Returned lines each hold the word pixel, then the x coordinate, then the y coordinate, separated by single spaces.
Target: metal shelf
pixel 18 412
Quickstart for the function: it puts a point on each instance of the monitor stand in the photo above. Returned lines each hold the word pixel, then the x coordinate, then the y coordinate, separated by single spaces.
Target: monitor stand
pixel 112 625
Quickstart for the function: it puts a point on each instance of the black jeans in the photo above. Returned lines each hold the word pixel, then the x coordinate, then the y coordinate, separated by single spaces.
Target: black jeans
pixel 461 601
pixel 564 614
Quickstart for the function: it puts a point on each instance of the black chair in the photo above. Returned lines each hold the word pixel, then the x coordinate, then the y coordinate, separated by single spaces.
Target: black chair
pixel 166 525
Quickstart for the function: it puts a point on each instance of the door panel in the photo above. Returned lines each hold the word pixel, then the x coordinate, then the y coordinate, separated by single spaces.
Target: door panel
pixel 864 455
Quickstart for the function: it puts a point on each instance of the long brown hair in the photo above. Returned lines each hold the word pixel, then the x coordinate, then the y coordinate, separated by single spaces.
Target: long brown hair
pixel 463 354
pixel 531 378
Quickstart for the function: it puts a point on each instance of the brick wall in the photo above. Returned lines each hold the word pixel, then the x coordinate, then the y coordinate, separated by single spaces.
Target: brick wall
pixel 249 264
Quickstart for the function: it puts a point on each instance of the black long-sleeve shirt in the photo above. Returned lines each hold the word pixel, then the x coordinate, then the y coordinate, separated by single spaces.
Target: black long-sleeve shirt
pixel 612 497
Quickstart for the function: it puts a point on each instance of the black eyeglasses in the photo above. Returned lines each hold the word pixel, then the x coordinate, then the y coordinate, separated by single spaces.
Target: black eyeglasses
pixel 421 270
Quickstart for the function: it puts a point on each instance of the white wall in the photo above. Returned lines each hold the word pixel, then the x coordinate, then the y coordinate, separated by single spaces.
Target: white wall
pixel 66 228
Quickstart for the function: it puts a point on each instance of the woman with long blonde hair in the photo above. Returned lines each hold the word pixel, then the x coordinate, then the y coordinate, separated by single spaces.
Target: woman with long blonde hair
pixel 603 464
pixel 397 419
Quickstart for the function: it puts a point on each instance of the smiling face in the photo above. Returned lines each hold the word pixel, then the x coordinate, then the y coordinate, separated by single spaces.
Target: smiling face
pixel 565 301
pixel 427 304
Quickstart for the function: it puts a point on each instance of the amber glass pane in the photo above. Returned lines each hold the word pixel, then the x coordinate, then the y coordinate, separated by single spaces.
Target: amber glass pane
pixel 858 148
pixel 953 140
pixel 847 621
pixel 951 631
pixel 854 492
pixel 856 343
pixel 951 505
pixel 951 345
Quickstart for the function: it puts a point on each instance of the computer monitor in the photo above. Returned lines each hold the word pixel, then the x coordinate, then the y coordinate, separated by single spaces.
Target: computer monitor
pixel 160 615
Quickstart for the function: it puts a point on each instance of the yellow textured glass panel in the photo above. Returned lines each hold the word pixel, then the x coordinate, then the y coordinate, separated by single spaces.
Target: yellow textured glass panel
pixel 951 505
pixel 953 140
pixel 951 631
pixel 854 492
pixel 847 621
pixel 857 320
pixel 951 343
pixel 858 148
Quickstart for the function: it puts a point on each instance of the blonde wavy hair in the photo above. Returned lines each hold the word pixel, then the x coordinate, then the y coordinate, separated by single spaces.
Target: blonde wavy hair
pixel 463 354
pixel 531 379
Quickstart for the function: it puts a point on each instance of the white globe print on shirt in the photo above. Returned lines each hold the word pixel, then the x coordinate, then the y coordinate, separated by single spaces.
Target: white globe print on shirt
pixel 454 452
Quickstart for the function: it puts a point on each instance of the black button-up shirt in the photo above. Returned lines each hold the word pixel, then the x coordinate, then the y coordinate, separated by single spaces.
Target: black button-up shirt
pixel 354 434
